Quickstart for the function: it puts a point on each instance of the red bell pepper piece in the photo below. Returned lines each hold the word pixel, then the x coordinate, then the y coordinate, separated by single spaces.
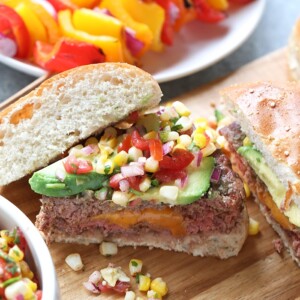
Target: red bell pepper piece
pixel 206 13
pixel 66 54
pixel 17 30
pixel 167 34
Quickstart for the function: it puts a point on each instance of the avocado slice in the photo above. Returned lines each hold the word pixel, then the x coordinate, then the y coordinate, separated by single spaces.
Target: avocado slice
pixel 199 182
pixel 259 165
pixel 46 182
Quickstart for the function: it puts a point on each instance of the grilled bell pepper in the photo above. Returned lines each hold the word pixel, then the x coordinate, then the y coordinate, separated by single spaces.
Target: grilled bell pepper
pixel 186 14
pixel 96 23
pixel 63 4
pixel 206 13
pixel 150 14
pixel 111 46
pixel 86 3
pixel 34 25
pixel 142 31
pixel 17 30
pixel 66 54
pixel 218 4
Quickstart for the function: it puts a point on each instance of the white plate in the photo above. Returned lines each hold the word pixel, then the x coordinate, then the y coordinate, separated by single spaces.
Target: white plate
pixel 196 46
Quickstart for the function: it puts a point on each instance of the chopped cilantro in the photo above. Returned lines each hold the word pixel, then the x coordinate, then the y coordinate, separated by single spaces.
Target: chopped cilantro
pixel 154 182
pixel 133 191
pixel 134 263
pixel 219 115
pixel 176 127
pixel 107 169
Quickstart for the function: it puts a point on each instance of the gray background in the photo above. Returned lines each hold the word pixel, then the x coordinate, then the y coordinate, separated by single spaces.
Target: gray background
pixel 272 33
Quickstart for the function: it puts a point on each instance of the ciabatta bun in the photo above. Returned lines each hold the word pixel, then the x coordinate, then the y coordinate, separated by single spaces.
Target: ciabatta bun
pixel 67 108
pixel 269 114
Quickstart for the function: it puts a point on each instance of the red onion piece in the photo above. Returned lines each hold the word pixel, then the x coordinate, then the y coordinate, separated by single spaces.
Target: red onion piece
pixel 8 47
pixel 104 11
pixel 132 43
pixel 215 176
pixel 167 147
pixel 95 277
pixel 199 156
pixel 174 12
pixel 91 287
pixel 142 160
pixel 124 185
pixel 132 170
pixel 89 149
pixel 184 181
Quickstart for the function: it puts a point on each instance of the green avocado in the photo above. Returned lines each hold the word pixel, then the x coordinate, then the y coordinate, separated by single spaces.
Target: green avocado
pixel 198 185
pixel 46 181
pixel 259 165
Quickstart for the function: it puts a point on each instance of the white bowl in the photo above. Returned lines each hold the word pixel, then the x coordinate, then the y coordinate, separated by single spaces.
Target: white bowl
pixel 39 257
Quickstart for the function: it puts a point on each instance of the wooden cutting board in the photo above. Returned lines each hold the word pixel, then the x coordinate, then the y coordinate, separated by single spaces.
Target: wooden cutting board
pixel 258 272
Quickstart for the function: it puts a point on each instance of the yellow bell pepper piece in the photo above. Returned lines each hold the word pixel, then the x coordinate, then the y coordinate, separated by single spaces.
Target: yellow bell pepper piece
pixel 86 3
pixel 150 14
pixel 35 27
pixel 96 23
pixel 111 46
pixel 218 4
pixel 142 31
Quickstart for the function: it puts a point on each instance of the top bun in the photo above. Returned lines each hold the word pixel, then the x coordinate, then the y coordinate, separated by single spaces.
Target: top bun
pixel 67 108
pixel 269 113
pixel 293 52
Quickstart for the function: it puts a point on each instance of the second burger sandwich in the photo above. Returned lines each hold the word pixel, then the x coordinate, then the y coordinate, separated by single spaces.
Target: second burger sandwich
pixel 264 142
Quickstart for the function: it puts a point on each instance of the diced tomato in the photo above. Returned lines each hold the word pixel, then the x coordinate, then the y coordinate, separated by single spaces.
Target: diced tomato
pixel 206 13
pixel 167 175
pixel 179 160
pixel 114 181
pixel 77 166
pixel 104 288
pixel 39 295
pixel 134 182
pixel 20 240
pixel 121 287
pixel 139 142
pixel 125 144
pixel 156 149
pixel 133 117
pixel 18 30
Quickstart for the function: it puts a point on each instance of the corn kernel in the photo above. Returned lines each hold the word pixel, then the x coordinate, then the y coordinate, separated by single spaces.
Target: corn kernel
pixel 220 142
pixel 247 190
pixel 91 141
pixel 185 140
pixel 218 4
pixel 159 286
pixel 209 149
pixel 121 158
pixel 200 140
pixel 120 198
pixel 135 266
pixel 130 295
pixel 150 135
pixel 144 283
pixel 16 253
pixel 134 153
pixel 169 193
pixel 168 114
pixel 253 228
pixel 145 185
pixel 3 244
pixel 201 123
pixel 31 284
pixel 179 146
pixel 151 294
pixel 151 165
pixel 247 142
pixel 109 133
pixel 181 109
pixel 185 123
pixel 108 249
pixel 25 270
pixel 5 234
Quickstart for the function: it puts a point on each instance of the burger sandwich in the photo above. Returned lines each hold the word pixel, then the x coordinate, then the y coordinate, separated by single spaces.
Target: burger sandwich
pixel 110 168
pixel 263 140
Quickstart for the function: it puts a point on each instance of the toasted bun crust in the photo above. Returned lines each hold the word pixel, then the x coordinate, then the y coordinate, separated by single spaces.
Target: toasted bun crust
pixel 269 113
pixel 293 52
pixel 67 108
pixel 221 245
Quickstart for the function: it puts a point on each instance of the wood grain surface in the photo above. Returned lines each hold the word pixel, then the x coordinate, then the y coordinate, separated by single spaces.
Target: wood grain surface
pixel 258 272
